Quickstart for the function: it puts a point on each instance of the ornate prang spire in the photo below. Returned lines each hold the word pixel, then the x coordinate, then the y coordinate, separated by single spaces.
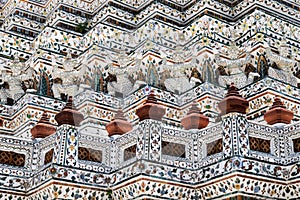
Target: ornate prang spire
pixel 151 109
pixel 278 113
pixel 69 115
pixel 119 125
pixel 194 118
pixel 43 128
pixel 233 102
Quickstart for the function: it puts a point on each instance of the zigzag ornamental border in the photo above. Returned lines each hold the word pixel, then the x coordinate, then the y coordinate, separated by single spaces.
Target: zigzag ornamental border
pixel 257 14
pixel 204 31
pixel 143 187
pixel 94 8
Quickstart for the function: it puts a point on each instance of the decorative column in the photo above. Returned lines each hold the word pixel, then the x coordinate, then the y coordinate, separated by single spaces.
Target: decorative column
pixel 150 129
pixel 41 130
pixel 66 149
pixel 279 116
pixel 117 127
pixel 194 119
pixel 235 137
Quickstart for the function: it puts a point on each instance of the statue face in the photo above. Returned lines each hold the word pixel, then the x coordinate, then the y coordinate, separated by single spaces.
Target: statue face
pixel 284 50
pixel 68 65
pixel 233 50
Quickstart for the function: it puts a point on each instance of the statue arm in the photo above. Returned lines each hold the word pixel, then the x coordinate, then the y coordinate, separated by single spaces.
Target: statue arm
pixel 56 72
pixel 247 59
pixel 82 70
pixel 220 61
pixel 268 52
pixel 130 70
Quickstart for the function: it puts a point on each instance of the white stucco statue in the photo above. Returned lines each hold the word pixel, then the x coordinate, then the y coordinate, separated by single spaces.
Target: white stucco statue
pixel 178 82
pixel 284 64
pixel 69 77
pixel 15 78
pixel 123 84
pixel 234 67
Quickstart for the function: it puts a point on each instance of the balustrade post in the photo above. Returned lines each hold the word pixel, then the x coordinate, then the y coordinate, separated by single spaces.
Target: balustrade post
pixel 66 144
pixel 235 138
pixel 235 135
pixel 149 139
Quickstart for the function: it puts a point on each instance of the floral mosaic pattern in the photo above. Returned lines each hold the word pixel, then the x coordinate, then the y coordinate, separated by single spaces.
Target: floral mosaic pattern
pixel 167 169
pixel 155 37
